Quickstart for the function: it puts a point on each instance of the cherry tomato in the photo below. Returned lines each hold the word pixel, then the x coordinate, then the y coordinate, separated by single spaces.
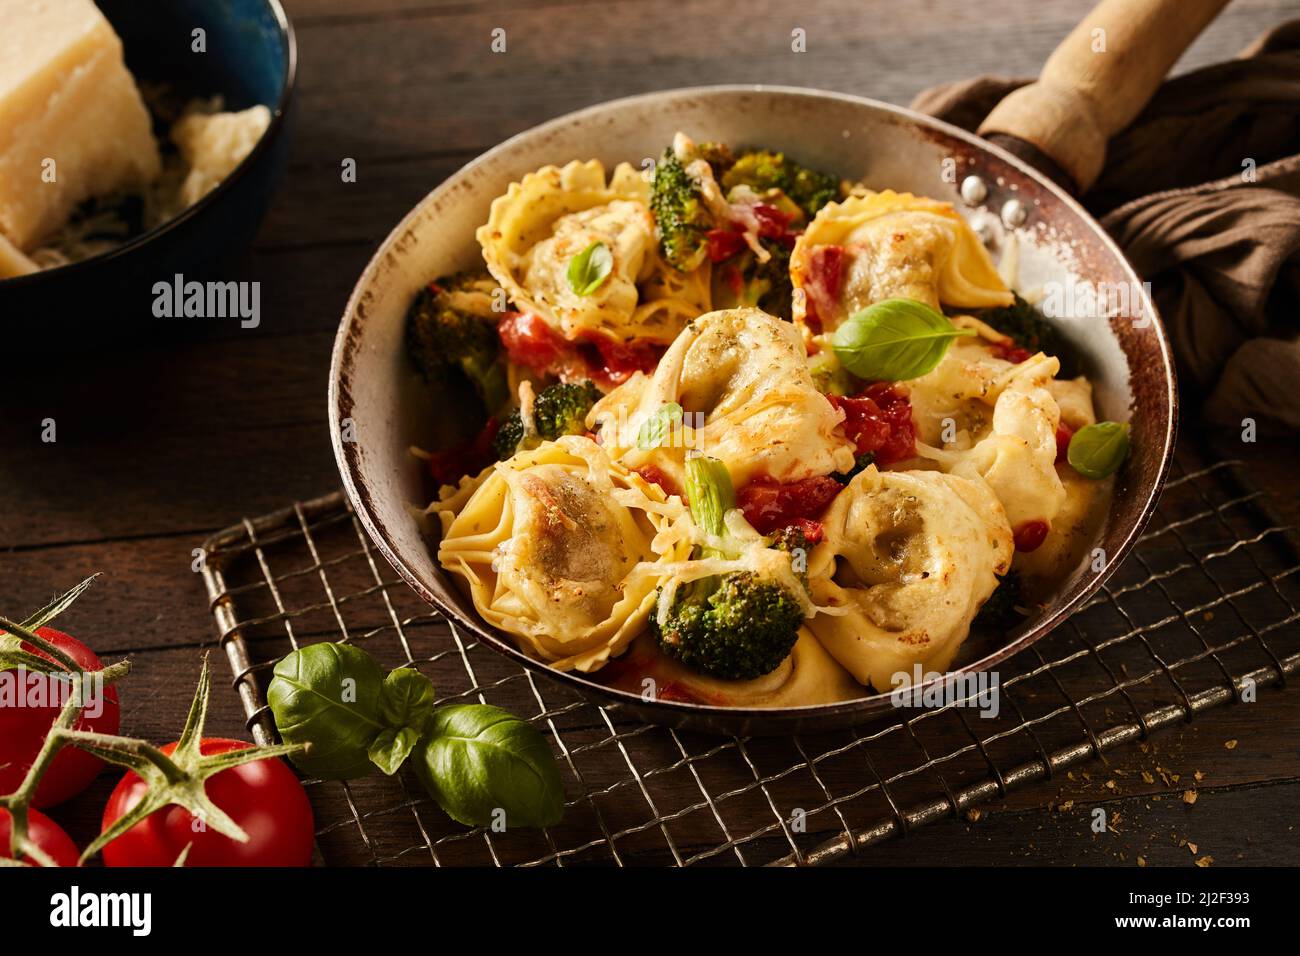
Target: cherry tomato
pixel 23 731
pixel 264 797
pixel 45 833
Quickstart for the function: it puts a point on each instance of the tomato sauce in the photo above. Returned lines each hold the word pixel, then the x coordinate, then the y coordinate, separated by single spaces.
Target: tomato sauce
pixel 770 505
pixel 878 421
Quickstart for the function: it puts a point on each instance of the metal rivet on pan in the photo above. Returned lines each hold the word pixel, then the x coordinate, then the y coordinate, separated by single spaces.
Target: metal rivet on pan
pixel 973 190
pixel 1014 213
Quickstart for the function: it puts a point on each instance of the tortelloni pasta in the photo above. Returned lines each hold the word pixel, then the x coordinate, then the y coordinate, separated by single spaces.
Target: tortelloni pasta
pixel 547 543
pixel 981 416
pixel 742 380
pixel 726 507
pixel 909 557
pixel 882 245
pixel 808 676
pixel 551 216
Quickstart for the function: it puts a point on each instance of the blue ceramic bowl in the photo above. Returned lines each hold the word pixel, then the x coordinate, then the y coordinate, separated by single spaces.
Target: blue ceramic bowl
pixel 251 58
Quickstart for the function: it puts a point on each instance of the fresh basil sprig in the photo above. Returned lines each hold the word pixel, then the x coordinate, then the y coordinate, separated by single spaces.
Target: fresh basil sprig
pixel 405 703
pixel 478 762
pixel 483 765
pixel 894 340
pixel 589 269
pixel 655 429
pixel 1097 451
pixel 337 699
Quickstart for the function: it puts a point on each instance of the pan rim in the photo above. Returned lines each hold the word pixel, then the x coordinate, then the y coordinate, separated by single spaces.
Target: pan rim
pixel 871 705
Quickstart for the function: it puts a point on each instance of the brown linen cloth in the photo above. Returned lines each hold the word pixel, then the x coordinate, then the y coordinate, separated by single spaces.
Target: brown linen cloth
pixel 1202 191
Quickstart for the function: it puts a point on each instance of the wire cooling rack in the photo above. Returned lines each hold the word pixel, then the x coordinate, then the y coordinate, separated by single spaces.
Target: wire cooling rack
pixel 1204 608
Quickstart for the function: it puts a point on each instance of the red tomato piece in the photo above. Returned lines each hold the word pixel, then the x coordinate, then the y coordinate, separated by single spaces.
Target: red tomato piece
pixel 23 731
pixel 1063 435
pixel 45 833
pixel 772 222
pixel 263 796
pixel 612 362
pixel 1030 535
pixel 724 243
pixel 770 505
pixel 530 342
pixel 825 275
pixel 1010 351
pixel 656 476
pixel 879 422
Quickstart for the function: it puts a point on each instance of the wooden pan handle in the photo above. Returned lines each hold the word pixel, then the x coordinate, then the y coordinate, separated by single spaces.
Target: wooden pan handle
pixel 1098 80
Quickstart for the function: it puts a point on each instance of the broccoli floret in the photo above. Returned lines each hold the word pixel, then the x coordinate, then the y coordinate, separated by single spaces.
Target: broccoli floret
pixel 738 628
pixel 762 170
pixel 558 410
pixel 999 612
pixel 737 625
pixel 743 280
pixel 718 156
pixel 450 344
pixel 682 219
pixel 1032 331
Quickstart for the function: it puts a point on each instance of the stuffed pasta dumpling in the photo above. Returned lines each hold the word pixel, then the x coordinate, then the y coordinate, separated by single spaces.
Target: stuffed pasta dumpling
pixel 552 546
pixel 884 245
pixel 741 378
pixel 908 558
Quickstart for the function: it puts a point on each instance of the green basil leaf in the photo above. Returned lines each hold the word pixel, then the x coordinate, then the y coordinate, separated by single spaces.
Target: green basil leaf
pixel 327 696
pixel 894 340
pixel 657 427
pixel 589 269
pixel 485 766
pixel 392 747
pixel 406 699
pixel 1097 451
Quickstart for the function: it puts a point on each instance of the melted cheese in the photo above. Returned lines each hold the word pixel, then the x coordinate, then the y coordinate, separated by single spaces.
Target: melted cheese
pixel 553 546
pixel 895 245
pixel 908 559
pixel 742 379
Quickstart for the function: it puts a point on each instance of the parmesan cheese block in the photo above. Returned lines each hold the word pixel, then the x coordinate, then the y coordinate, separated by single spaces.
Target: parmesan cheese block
pixel 72 123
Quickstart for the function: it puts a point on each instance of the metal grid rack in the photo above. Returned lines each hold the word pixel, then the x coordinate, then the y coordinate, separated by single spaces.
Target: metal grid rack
pixel 1205 605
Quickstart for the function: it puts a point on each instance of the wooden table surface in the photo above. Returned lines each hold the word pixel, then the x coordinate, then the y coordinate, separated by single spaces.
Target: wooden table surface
pixel 158 446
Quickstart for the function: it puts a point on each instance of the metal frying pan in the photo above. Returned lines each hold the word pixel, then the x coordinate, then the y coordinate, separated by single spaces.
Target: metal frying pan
pixel 378 410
